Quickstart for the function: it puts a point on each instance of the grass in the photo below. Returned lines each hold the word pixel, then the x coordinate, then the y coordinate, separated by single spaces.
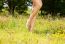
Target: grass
pixel 46 31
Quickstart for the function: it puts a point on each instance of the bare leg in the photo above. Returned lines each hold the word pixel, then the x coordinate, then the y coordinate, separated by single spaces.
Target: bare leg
pixel 37 4
pixel 32 24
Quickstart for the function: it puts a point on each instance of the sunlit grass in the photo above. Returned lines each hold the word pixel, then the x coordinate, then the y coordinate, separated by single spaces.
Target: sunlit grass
pixel 13 31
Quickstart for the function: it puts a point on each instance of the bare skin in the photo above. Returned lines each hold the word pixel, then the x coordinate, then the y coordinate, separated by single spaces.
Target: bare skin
pixel 37 4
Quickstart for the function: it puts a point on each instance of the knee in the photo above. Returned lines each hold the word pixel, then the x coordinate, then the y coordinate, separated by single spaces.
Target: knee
pixel 39 5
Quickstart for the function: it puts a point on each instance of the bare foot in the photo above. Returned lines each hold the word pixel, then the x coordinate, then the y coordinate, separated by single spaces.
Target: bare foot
pixel 28 24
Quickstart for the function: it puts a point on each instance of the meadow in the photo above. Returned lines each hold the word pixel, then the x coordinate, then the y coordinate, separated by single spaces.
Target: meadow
pixel 46 30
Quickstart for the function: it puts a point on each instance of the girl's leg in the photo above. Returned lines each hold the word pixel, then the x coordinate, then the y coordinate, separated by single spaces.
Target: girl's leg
pixel 37 4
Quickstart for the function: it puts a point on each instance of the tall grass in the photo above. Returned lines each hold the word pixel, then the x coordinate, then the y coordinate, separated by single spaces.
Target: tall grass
pixel 46 31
